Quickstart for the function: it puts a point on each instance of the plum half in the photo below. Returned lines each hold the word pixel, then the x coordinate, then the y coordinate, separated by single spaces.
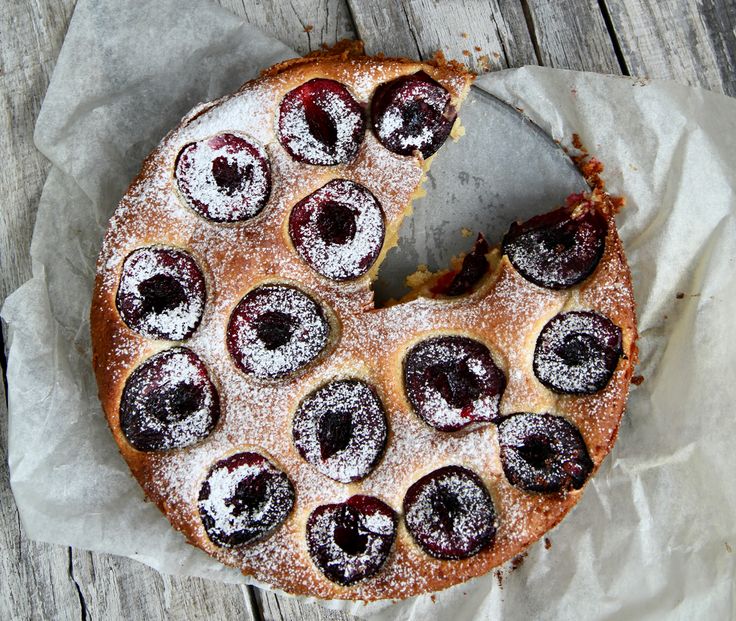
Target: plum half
pixel 577 352
pixel 244 497
pixel 339 229
pixel 543 453
pixel 412 113
pixel 450 514
pixel 350 541
pixel 168 402
pixel 341 429
pixel 225 178
pixel 452 381
pixel 558 249
pixel 321 123
pixel 275 330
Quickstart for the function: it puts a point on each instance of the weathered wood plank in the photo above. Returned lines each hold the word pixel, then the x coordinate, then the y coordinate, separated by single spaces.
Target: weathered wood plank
pixel 304 25
pixel 571 35
pixel 280 608
pixel 34 577
pixel 118 588
pixel 30 39
pixel 692 41
pixel 487 34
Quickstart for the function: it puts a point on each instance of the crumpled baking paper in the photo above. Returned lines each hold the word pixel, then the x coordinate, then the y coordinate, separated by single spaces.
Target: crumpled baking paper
pixel 653 536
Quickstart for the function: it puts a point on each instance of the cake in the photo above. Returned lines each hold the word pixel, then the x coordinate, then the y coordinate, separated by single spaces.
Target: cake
pixel 288 427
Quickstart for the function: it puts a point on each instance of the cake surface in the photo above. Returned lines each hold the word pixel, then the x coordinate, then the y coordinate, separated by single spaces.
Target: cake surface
pixel 288 427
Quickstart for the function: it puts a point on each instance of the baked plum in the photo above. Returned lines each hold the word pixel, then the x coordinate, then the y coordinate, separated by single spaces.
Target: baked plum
pixel 321 123
pixel 543 453
pixel 558 249
pixel 475 265
pixel 450 514
pixel 162 293
pixel 168 402
pixel 225 178
pixel 412 113
pixel 244 498
pixel 341 429
pixel 350 541
pixel 452 381
pixel 339 229
pixel 577 352
pixel 275 330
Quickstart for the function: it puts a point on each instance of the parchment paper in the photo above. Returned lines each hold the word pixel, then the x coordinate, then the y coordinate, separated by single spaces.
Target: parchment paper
pixel 654 533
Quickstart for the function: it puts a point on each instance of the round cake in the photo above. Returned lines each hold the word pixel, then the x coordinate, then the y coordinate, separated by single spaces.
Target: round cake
pixel 288 427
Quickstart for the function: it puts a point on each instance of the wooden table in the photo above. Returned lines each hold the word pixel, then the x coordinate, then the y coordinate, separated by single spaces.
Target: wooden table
pixel 691 41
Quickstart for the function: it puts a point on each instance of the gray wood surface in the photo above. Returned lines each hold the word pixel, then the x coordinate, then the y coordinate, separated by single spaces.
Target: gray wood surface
pixel 583 44
pixel 692 41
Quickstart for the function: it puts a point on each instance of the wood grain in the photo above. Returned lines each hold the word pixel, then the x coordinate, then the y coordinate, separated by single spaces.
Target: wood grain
pixel 485 34
pixel 30 39
pixel 284 608
pixel 112 587
pixel 304 25
pixel 692 41
pixel 571 35
pixel 36 582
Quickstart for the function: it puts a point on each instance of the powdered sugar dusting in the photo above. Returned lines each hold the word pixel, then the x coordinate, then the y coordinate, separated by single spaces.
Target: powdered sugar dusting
pixel 351 541
pixel 172 322
pixel 506 315
pixel 225 178
pixel 450 513
pixel 306 323
pixel 298 136
pixel 413 114
pixel 151 418
pixel 465 369
pixel 243 498
pixel 342 259
pixel 577 352
pixel 543 453
pixel 356 408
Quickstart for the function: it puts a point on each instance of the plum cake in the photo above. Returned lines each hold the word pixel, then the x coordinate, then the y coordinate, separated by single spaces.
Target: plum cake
pixel 288 427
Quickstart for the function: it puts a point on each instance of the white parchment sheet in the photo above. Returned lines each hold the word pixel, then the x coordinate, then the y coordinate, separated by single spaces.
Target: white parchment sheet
pixel 653 536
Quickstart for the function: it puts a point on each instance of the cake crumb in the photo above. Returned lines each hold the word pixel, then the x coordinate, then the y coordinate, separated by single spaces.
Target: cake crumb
pixel 499 578
pixel 466 52
pixel 547 543
pixel 729 549
pixel 518 561
pixel 680 295
pixel 466 232
pixel 637 380
pixel 433 597
pixel 464 35
pixel 484 62
pixel 308 27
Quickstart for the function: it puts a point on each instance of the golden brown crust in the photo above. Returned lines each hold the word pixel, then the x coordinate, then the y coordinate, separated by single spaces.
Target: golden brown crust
pixel 506 313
